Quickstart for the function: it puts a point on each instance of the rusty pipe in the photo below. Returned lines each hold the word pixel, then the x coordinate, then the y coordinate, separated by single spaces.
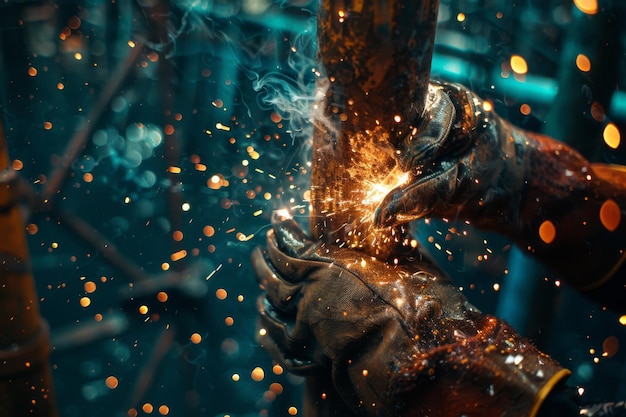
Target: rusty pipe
pixel 25 375
pixel 376 56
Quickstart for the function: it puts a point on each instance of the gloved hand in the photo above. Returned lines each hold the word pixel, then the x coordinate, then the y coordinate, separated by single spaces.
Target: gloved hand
pixel 468 164
pixel 396 340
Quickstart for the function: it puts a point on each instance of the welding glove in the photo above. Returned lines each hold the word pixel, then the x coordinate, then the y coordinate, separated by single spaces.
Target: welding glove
pixel 395 340
pixel 466 163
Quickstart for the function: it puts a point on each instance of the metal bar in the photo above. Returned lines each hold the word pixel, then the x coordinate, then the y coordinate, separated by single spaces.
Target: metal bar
pixel 25 375
pixel 377 57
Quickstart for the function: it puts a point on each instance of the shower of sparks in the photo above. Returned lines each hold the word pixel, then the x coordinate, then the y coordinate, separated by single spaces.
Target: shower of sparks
pixel 377 191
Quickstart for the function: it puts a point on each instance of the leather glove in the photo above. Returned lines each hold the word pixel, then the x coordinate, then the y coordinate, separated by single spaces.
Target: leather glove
pixel 466 163
pixel 396 340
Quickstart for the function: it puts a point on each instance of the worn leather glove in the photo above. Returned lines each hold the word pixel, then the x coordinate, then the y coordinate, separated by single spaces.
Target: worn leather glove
pixel 396 340
pixel 468 164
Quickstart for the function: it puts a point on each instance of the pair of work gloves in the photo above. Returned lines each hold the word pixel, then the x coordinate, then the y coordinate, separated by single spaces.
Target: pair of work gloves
pixel 399 339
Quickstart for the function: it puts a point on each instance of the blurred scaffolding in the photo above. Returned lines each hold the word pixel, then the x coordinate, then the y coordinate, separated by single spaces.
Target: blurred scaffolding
pixel 152 139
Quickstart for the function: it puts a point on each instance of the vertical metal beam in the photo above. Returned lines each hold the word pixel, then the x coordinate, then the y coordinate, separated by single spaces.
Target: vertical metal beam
pixel 25 375
pixel 377 57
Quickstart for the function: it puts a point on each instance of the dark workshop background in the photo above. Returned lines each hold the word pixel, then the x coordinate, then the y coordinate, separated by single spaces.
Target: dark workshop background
pixel 153 139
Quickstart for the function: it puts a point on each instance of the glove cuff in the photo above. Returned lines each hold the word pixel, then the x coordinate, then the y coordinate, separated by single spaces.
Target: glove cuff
pixel 492 372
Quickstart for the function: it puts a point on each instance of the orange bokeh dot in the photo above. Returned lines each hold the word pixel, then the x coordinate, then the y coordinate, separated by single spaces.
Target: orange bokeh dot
pixel 518 64
pixel 111 382
pixel 208 231
pixel 147 408
pixel 17 164
pixel 583 63
pixel 221 294
pixel 257 374
pixel 610 215
pixel 276 388
pixel 90 287
pixel 587 6
pixel 177 256
pixel 162 296
pixel 547 231
pixel 611 136
pixel 525 109
pixel 597 111
pixel 168 129
pixel 164 410
pixel 195 338
pixel 177 235
pixel 85 302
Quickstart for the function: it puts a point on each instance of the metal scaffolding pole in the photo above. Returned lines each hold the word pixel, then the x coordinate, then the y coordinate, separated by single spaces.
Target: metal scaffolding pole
pixel 25 375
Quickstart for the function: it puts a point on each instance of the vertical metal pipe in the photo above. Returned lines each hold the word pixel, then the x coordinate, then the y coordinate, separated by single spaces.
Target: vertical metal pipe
pixel 377 56
pixel 25 376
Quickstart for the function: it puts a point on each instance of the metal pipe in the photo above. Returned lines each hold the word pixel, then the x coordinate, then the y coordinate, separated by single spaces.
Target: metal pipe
pixel 25 376
pixel 377 57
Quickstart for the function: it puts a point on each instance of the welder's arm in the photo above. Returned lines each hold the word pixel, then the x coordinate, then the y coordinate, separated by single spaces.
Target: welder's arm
pixel 469 164
pixel 396 341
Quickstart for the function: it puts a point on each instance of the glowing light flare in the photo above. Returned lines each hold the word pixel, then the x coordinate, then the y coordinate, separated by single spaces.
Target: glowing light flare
pixel 610 215
pixel 518 64
pixel 460 17
pixel 547 232
pixel 587 6
pixel 611 136
pixel 283 214
pixel 378 191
